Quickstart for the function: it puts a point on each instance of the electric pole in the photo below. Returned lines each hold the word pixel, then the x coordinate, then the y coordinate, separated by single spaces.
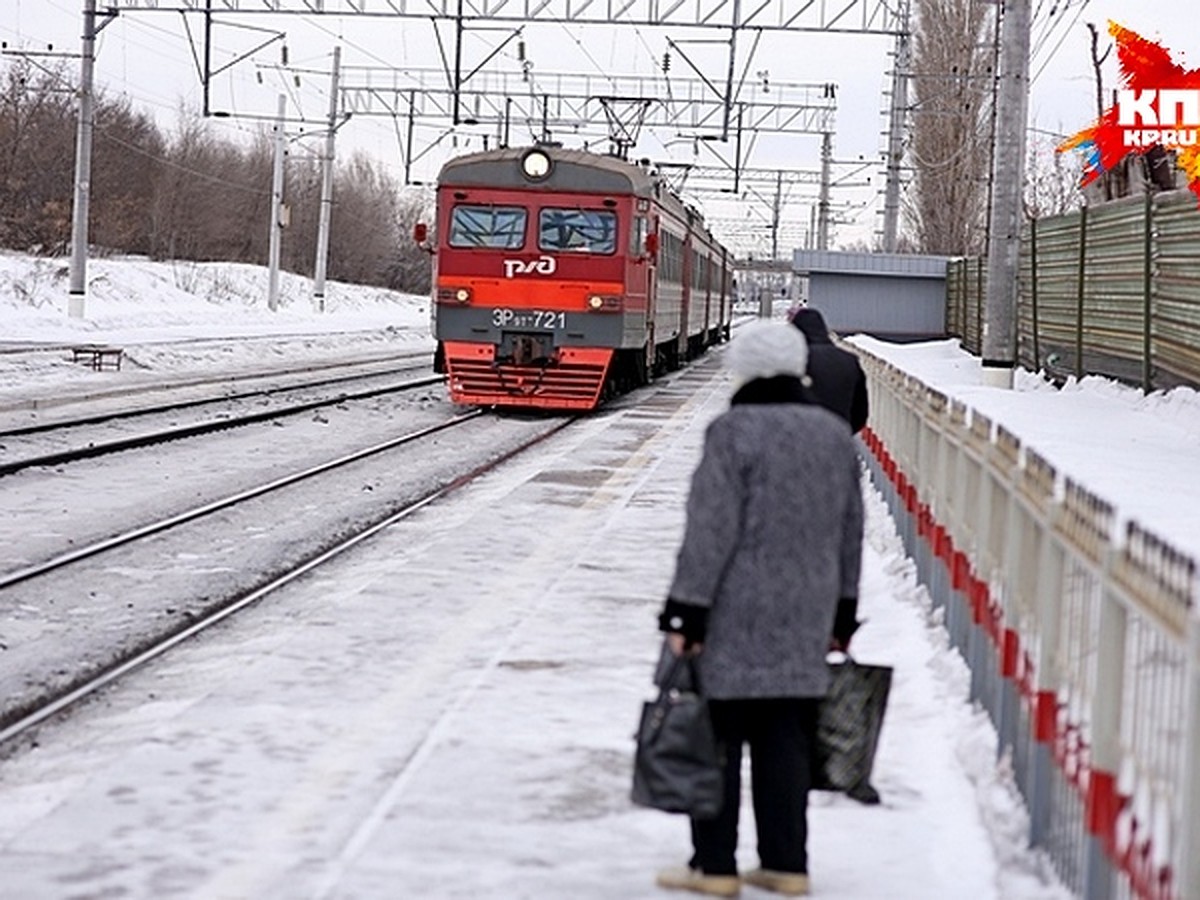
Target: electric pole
pixel 83 167
pixel 823 197
pixel 326 190
pixel 775 211
pixel 276 236
pixel 999 344
pixel 895 150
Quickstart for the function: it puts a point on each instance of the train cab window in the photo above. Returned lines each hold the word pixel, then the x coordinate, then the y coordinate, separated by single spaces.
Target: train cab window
pixel 577 230
pixel 499 227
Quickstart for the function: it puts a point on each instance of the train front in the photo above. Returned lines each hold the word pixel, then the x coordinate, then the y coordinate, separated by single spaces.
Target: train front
pixel 531 269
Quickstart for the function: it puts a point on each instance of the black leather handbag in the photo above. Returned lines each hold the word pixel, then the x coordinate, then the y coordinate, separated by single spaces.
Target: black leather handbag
pixel 678 764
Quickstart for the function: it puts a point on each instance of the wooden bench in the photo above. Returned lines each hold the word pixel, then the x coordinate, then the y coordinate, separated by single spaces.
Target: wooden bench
pixel 98 356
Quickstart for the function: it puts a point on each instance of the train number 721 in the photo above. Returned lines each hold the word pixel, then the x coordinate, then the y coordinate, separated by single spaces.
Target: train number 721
pixel 528 318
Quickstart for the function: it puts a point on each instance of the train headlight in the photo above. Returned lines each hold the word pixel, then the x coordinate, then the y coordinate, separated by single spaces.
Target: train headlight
pixel 604 303
pixel 536 165
pixel 453 295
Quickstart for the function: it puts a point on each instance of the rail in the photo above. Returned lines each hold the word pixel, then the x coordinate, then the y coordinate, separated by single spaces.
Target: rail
pixel 1083 649
pixel 95 448
pixel 82 681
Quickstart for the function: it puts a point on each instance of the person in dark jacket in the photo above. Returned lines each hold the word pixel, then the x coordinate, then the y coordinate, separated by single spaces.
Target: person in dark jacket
pixel 838 381
pixel 766 577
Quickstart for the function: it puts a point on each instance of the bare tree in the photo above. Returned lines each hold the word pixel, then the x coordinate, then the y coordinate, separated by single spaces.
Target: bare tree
pixel 172 235
pixel 189 195
pixel 1051 180
pixel 127 157
pixel 363 237
pixel 411 268
pixel 212 197
pixel 953 77
pixel 303 192
pixel 37 159
pixel 1098 59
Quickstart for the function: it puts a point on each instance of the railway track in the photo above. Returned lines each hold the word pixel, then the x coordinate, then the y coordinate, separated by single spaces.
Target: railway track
pixel 131 388
pixel 218 390
pixel 146 604
pixel 90 436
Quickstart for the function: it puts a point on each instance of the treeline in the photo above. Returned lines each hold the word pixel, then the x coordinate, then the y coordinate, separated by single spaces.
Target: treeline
pixel 189 194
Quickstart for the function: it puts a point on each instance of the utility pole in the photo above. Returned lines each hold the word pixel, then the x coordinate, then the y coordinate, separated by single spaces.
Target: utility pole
pixel 895 150
pixel 734 24
pixel 775 210
pixel 83 167
pixel 276 210
pixel 408 136
pixel 326 189
pixel 999 345
pixel 458 36
pixel 823 197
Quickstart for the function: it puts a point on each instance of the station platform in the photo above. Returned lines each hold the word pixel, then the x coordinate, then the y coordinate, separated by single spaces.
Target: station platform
pixel 448 712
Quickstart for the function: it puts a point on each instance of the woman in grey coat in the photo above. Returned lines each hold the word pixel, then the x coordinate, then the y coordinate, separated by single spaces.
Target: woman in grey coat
pixel 765 581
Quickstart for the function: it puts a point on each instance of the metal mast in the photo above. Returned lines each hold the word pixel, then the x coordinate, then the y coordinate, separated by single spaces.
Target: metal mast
pixel 326 190
pixel 83 167
pixel 895 150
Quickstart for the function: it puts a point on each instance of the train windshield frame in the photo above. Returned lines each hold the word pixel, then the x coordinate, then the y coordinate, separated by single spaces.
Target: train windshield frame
pixel 488 227
pixel 577 230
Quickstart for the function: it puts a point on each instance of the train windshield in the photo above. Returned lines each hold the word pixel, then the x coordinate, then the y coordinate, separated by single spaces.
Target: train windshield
pixel 501 227
pixel 577 230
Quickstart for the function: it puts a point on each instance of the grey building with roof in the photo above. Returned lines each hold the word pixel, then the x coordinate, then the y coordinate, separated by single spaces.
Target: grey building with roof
pixel 887 295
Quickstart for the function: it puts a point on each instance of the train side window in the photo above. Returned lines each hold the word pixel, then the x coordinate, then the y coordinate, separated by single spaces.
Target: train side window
pixel 671 265
pixel 577 230
pixel 498 227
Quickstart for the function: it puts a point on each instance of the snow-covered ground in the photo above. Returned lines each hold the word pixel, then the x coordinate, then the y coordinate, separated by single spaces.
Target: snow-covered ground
pixel 133 300
pixel 449 712
pixel 175 319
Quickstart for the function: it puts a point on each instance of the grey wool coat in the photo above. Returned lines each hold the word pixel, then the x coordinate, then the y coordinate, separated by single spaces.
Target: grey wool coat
pixel 773 539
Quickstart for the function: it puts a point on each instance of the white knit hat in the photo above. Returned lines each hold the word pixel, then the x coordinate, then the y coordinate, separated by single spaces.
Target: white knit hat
pixel 764 349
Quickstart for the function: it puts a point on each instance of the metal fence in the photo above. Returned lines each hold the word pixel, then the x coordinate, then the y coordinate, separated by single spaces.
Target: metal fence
pixel 1112 290
pixel 1084 648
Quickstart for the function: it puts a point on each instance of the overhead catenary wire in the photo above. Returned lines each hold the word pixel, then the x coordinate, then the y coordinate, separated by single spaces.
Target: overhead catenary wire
pixel 1058 46
pixel 149 31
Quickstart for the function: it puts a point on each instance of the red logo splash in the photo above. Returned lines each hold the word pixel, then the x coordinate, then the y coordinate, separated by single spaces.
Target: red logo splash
pixel 1159 106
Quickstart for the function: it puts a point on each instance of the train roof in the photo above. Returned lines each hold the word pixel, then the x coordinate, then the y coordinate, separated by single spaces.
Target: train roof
pixel 576 170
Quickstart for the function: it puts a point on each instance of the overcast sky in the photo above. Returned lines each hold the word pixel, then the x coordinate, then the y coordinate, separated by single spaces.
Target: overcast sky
pixel 147 56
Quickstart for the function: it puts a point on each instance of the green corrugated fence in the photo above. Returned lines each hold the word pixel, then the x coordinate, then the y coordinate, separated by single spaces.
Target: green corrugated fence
pixel 1112 290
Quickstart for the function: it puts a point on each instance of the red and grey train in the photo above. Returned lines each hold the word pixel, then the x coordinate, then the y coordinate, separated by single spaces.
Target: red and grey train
pixel 563 277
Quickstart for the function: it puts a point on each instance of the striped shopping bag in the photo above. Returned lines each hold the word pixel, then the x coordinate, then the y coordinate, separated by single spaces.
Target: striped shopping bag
pixel 851 719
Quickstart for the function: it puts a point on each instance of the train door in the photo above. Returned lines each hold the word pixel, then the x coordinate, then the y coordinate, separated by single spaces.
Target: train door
pixel 728 295
pixel 706 329
pixel 685 303
pixel 648 242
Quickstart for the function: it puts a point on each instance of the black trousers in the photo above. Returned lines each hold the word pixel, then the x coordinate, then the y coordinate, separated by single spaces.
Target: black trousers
pixel 781 733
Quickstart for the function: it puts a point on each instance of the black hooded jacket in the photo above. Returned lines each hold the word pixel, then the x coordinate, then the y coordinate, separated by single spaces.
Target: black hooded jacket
pixel 838 382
